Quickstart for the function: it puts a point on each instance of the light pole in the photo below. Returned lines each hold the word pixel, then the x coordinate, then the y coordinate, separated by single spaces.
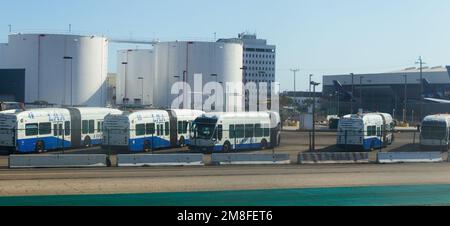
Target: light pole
pixel 421 63
pixel 309 90
pixel 71 76
pixel 142 89
pixel 313 145
pixel 295 79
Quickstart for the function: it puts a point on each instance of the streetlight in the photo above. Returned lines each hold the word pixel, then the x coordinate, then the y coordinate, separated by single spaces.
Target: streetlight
pixel 142 90
pixel 421 63
pixel 313 145
pixel 71 80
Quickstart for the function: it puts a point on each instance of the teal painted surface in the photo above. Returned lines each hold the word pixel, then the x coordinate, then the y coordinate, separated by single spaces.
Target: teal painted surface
pixel 344 196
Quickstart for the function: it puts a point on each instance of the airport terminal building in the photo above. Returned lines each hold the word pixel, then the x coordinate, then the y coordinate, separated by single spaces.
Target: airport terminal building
pixel 398 93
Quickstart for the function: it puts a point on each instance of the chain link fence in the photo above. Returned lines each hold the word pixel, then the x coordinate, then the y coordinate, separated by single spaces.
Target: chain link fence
pixel 38 139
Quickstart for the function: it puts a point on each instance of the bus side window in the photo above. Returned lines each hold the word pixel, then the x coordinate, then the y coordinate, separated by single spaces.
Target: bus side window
pixel 55 130
pixel 85 127
pixel 91 126
pixel 258 130
pixel 167 128
pixel 220 132
pixel 45 128
pixel 150 129
pixel 60 129
pixel 249 130
pixel 180 127
pixel 240 132
pixel 67 128
pixel 140 129
pixel 31 129
pixel 266 130
pixel 159 130
pixel 232 132
pixel 185 126
pixel 99 126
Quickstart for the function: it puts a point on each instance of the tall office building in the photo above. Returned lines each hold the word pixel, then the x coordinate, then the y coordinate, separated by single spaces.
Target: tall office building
pixel 258 60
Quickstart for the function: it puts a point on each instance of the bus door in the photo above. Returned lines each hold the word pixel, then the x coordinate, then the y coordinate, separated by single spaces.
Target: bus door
pixel 58 134
pixel 383 131
pixel 173 129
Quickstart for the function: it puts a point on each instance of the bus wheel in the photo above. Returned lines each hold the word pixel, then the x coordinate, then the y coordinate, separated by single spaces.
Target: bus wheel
pixel 40 147
pixel 264 144
pixel 181 142
pixel 147 146
pixel 226 147
pixel 87 142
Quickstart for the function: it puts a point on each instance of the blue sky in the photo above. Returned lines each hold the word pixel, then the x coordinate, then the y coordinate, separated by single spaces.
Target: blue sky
pixel 318 36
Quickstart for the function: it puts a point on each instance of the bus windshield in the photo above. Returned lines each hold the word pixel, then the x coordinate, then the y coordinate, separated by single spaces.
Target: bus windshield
pixel 434 130
pixel 204 128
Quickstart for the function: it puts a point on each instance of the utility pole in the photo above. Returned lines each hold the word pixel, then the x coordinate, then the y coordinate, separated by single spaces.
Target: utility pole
pixel 10 28
pixel 295 79
pixel 421 63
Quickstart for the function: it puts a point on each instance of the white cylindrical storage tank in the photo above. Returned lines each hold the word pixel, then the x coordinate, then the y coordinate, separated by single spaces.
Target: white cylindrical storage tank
pixel 135 76
pixel 178 61
pixel 61 69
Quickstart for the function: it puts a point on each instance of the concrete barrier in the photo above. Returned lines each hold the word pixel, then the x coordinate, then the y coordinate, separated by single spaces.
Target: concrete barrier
pixel 333 158
pixel 409 157
pixel 128 160
pixel 57 161
pixel 249 159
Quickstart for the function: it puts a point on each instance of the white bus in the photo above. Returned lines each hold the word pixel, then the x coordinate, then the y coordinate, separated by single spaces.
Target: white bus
pixel 40 130
pixel 366 131
pixel 434 132
pixel 236 131
pixel 148 130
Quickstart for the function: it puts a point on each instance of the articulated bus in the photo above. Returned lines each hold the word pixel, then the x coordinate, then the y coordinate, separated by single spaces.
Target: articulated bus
pixel 40 130
pixel 236 131
pixel 366 132
pixel 147 130
pixel 435 133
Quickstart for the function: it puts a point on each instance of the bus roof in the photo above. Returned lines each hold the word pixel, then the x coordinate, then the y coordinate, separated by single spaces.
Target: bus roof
pixel 98 110
pixel 225 115
pixel 186 112
pixel 438 117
